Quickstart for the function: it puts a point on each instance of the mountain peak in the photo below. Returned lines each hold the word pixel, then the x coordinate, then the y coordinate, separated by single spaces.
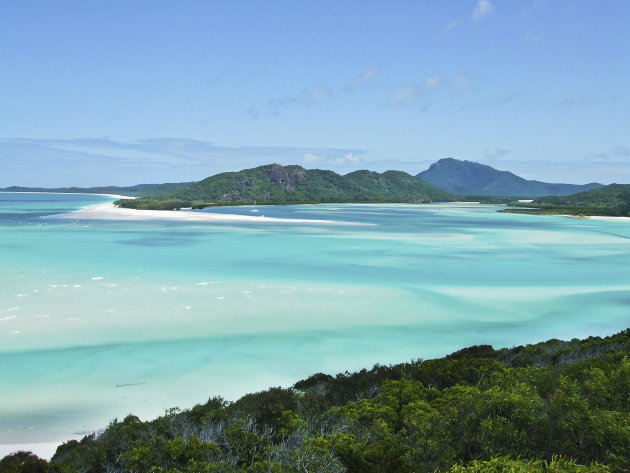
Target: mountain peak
pixel 468 178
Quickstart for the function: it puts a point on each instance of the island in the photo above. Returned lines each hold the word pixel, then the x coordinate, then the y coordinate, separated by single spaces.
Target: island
pixel 277 184
pixel 612 200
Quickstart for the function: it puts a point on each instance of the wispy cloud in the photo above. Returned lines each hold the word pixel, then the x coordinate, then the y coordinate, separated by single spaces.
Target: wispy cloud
pixel 613 153
pixel 571 103
pixel 622 151
pixel 462 80
pixel 433 82
pixel 451 26
pixel 573 171
pixel 362 79
pixel 532 36
pixel 319 94
pixel 304 98
pixel 341 160
pixel 482 11
pixel 410 94
pixel 101 161
pixel 405 95
pixel 597 157
pixel 494 153
pixel 311 96
pixel 490 102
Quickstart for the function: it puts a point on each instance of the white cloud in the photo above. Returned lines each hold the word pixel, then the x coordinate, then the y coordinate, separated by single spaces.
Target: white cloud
pixel 493 153
pixel 451 26
pixel 532 36
pixel 351 158
pixel 482 11
pixel 430 86
pixel 362 79
pixel 303 98
pixel 310 158
pixel 319 94
pixel 96 162
pixel 405 95
pixel 462 80
pixel 346 159
pixel 433 82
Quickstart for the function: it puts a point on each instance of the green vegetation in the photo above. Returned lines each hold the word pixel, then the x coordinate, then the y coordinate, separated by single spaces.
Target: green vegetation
pixel 276 184
pixel 474 179
pixel 550 407
pixel 139 190
pixel 612 200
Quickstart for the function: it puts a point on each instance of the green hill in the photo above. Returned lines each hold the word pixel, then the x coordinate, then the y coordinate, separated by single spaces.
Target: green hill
pixel 276 184
pixel 612 200
pixel 473 179
pixel 556 406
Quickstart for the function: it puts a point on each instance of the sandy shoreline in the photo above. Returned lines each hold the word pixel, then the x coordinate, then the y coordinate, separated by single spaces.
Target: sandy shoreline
pixel 110 212
pixel 610 219
pixel 115 196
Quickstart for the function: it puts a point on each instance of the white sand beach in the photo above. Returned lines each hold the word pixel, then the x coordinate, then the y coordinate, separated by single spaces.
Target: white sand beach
pixel 111 212
pixel 610 219
pixel 115 196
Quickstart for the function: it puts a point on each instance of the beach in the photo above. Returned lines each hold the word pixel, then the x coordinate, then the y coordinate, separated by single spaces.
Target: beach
pixel 610 219
pixel 111 311
pixel 109 211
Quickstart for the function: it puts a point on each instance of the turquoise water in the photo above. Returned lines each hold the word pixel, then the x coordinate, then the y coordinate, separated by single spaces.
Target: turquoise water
pixel 102 318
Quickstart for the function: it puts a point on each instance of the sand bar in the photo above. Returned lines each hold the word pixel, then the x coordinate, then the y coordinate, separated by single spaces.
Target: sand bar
pixel 110 212
pixel 115 196
pixel 610 219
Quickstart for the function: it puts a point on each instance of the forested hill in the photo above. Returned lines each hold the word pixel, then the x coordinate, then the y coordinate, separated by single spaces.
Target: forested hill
pixel 546 408
pixel 276 184
pixel 133 191
pixel 473 179
pixel 613 200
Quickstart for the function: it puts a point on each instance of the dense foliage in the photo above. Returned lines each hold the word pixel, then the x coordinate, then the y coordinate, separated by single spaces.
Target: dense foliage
pixel 474 179
pixel 276 184
pixel 613 200
pixel 551 407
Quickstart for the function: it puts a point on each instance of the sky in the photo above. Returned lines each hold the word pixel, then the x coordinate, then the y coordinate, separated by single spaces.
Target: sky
pixel 119 92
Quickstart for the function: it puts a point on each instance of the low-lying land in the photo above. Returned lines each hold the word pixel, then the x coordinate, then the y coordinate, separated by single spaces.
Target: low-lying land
pixel 111 212
pixel 612 200
pixel 550 407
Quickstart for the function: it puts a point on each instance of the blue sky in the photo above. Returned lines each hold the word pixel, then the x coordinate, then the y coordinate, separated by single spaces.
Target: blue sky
pixel 122 92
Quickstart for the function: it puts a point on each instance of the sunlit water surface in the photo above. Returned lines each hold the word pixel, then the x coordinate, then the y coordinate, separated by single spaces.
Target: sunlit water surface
pixel 99 319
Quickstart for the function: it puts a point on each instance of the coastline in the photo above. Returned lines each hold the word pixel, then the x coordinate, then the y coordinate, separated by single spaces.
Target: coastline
pixel 109 211
pixel 113 196
pixel 608 218
pixel 43 450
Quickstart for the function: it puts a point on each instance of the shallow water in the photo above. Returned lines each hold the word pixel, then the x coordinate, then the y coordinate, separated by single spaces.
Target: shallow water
pixel 99 318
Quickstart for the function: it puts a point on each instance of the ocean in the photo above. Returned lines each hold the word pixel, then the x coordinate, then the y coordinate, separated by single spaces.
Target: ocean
pixel 99 319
